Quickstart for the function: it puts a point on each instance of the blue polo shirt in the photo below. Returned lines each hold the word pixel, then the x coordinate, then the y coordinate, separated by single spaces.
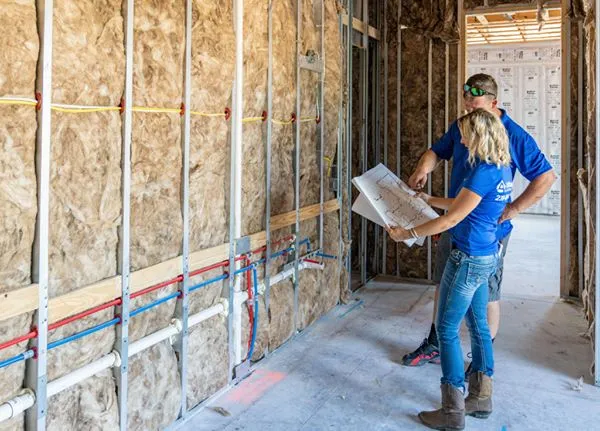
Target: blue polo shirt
pixel 526 157
pixel 476 235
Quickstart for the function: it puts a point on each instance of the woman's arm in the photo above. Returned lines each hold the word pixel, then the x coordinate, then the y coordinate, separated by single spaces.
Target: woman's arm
pixel 462 205
pixel 441 203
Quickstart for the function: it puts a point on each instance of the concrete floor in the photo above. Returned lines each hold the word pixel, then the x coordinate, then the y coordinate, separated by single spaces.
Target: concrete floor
pixel 342 373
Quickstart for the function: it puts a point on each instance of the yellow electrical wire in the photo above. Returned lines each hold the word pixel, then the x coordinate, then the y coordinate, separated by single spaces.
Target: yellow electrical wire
pixel 82 109
pixel 207 114
pixel 282 123
pixel 158 110
pixel 329 165
pixel 252 119
pixel 17 102
pixel 85 110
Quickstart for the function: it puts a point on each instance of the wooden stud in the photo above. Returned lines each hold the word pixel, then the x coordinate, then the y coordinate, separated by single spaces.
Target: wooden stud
pixel 565 196
pixel 25 300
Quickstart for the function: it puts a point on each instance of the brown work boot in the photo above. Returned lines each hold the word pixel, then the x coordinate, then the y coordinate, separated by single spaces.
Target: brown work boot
pixel 452 414
pixel 479 401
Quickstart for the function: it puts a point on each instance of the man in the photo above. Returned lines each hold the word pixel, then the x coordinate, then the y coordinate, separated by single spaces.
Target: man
pixel 480 91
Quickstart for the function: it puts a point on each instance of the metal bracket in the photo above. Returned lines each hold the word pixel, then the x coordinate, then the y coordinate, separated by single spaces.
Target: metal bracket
pixel 310 62
pixel 333 184
pixel 241 371
pixel 242 245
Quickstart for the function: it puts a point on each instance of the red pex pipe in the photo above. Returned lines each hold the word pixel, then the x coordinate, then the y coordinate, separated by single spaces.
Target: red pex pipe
pixel 250 309
pixel 18 340
pixel 117 301
pixel 209 268
pixel 264 247
pixel 157 286
pixel 287 238
pixel 83 314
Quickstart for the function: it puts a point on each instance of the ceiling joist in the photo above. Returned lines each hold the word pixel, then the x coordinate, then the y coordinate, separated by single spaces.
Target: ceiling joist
pixel 512 27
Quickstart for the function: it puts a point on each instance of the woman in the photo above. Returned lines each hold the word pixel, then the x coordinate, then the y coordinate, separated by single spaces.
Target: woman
pixel 472 218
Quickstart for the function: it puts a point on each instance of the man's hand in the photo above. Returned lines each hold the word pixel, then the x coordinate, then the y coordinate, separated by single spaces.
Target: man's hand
pixel 510 212
pixel 423 196
pixel 398 234
pixel 417 180
pixel 534 192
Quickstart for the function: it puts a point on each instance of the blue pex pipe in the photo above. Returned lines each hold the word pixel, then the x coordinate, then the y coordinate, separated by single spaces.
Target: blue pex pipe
pixel 207 282
pixel 326 256
pixel 154 304
pixel 282 252
pixel 255 321
pixel 85 333
pixel 20 357
pixel 307 242
pixel 242 270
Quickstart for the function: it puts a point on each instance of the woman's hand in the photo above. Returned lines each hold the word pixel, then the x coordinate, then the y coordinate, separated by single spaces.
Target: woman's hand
pixel 398 234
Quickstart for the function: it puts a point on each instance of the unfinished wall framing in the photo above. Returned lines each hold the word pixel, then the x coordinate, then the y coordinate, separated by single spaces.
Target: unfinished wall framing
pixel 584 14
pixel 386 120
pixel 419 40
pixel 135 133
pixel 365 83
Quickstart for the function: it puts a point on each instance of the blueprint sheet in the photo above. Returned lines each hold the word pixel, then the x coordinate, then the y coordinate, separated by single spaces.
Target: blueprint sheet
pixel 386 200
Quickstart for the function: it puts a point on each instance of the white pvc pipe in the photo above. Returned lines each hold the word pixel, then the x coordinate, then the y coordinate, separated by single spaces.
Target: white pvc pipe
pixel 111 360
pixel 288 273
pixel 17 405
pixel 155 338
pixel 241 297
pixel 22 402
pixel 220 308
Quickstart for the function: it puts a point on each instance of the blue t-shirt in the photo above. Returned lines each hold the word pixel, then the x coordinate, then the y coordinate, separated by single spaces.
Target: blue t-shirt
pixel 476 235
pixel 526 157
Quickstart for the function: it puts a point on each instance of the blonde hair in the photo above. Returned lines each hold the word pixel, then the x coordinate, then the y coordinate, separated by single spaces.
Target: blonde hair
pixel 486 138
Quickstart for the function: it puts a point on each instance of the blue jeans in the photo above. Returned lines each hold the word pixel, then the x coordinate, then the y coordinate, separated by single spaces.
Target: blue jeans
pixel 464 292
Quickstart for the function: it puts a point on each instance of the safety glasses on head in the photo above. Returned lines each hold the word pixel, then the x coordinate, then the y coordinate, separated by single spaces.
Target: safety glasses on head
pixel 475 92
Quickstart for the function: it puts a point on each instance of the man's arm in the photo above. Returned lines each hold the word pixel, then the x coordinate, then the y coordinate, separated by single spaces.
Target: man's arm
pixel 426 165
pixel 441 150
pixel 531 196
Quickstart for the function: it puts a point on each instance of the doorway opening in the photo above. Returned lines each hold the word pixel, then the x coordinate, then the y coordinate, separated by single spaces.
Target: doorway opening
pixel 524 56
